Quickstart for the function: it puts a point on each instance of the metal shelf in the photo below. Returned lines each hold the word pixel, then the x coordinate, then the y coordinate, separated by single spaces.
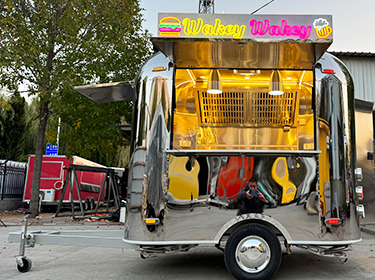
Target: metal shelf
pixel 243 153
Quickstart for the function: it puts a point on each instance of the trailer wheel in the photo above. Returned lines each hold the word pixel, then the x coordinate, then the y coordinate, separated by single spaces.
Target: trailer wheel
pixel 26 265
pixel 87 204
pixel 253 252
pixel 92 203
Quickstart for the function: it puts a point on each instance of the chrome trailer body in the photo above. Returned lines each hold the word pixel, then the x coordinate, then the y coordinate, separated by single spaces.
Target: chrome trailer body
pixel 210 217
pixel 178 190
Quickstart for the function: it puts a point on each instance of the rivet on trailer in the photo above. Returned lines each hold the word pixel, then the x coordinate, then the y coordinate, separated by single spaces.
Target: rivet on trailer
pixel 231 99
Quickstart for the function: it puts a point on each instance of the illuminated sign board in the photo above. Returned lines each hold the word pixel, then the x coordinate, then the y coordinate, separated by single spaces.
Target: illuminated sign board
pixel 257 27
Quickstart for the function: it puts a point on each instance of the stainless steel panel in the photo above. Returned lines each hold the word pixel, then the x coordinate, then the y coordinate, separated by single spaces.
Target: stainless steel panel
pixel 202 200
pixel 109 92
pixel 335 106
pixel 280 153
pixel 150 138
pixel 235 54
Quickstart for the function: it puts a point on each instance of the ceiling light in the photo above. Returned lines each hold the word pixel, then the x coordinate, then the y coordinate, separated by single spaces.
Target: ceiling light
pixel 276 86
pixel 214 83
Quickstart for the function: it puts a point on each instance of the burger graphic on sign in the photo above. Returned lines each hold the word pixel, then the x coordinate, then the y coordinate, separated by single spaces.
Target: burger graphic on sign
pixel 170 26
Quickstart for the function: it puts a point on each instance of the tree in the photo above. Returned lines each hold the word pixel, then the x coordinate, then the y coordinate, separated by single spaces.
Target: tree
pixel 31 112
pixel 13 127
pixel 6 111
pixel 87 127
pixel 53 45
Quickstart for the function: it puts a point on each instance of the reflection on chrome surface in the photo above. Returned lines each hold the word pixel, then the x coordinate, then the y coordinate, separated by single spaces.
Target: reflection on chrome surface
pixel 253 254
pixel 195 197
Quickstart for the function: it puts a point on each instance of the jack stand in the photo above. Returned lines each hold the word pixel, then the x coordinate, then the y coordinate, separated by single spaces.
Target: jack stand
pixel 23 263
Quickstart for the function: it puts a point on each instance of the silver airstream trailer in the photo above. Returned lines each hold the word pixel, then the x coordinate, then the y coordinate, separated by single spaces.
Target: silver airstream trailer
pixel 234 97
pixel 229 98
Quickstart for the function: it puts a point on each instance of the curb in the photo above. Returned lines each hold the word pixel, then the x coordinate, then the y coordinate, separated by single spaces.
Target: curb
pixel 11 224
pixel 369 231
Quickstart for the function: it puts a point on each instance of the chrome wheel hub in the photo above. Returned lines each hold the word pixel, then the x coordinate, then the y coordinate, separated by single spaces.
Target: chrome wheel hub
pixel 253 254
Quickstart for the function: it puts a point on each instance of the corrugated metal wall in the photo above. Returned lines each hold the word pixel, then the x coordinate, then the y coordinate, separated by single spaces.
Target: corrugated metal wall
pixel 363 72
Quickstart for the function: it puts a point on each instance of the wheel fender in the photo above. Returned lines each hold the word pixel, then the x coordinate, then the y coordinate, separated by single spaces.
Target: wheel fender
pixel 253 218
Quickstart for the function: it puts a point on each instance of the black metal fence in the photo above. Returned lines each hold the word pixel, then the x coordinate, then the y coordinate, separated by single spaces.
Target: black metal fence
pixel 12 179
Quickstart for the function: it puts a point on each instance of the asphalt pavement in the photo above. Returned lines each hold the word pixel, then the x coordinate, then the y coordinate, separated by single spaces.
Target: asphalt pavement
pixel 368 223
pixel 77 262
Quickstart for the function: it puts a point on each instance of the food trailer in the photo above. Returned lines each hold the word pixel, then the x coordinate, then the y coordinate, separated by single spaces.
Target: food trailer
pixel 228 98
pixel 54 171
pixel 234 97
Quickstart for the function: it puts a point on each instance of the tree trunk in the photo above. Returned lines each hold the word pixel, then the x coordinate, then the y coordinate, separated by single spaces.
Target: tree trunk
pixel 39 150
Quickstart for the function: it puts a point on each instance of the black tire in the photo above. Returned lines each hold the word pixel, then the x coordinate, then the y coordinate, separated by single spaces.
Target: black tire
pixel 87 204
pixel 26 265
pixel 253 252
pixel 92 203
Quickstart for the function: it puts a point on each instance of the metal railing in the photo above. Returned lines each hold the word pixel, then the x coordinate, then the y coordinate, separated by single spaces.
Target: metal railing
pixel 12 179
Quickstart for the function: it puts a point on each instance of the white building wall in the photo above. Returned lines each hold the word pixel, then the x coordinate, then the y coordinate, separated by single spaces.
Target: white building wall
pixel 363 73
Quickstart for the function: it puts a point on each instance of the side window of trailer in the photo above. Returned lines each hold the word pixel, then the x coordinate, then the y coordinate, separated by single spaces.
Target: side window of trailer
pixel 244 115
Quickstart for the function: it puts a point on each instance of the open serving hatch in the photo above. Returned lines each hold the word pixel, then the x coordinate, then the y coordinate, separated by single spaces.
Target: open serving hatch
pixel 244 82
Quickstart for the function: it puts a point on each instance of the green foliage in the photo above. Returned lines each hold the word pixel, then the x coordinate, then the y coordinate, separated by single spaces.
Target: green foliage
pixel 6 112
pixel 13 127
pixel 87 130
pixel 54 45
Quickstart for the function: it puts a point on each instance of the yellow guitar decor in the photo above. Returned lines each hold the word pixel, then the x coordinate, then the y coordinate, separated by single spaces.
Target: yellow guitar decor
pixel 281 176
pixel 183 184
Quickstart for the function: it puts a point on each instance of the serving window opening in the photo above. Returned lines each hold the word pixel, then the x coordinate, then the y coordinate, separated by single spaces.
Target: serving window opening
pixel 243 113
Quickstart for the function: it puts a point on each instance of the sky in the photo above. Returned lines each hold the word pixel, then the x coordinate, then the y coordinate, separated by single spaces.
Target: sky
pixel 353 20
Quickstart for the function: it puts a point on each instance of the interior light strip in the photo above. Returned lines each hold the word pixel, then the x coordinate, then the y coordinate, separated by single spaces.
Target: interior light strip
pixel 191 76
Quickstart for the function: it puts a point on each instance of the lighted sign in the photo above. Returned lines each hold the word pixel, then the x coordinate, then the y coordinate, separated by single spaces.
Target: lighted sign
pixel 170 26
pixel 195 27
pixel 257 27
pixel 261 28
pixel 322 28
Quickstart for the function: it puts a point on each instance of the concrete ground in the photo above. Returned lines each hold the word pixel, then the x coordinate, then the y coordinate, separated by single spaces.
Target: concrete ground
pixel 76 262
pixel 368 223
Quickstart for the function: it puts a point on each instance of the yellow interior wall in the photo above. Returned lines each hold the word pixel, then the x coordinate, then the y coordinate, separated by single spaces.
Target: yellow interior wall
pixel 191 133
